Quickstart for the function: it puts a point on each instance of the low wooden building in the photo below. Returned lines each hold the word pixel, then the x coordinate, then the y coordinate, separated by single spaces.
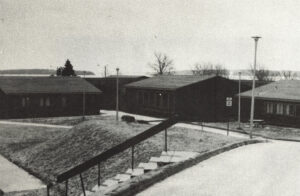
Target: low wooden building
pixel 108 87
pixel 22 97
pixel 276 103
pixel 193 97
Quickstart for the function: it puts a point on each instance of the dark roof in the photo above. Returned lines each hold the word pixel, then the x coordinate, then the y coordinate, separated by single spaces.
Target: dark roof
pixel 52 85
pixel 288 90
pixel 168 82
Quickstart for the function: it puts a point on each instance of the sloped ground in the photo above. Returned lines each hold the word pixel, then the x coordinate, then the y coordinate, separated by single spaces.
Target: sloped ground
pixel 48 153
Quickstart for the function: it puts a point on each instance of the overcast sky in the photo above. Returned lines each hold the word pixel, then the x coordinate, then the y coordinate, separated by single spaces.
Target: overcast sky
pixel 123 33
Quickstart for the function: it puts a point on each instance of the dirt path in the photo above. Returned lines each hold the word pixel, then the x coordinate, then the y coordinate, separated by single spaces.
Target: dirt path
pixel 256 170
pixel 13 178
pixel 35 124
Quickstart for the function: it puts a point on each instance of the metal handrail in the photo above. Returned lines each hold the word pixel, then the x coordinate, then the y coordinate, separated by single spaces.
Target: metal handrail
pixel 129 143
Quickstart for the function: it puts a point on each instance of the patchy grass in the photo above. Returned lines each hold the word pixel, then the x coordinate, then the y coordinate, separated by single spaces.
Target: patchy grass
pixel 271 131
pixel 48 153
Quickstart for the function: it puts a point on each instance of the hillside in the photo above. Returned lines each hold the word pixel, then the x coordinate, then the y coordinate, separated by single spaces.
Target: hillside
pixel 38 72
pixel 65 149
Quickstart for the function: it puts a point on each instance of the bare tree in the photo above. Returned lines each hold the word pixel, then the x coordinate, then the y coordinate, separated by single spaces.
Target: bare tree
pixel 288 75
pixel 163 65
pixel 210 69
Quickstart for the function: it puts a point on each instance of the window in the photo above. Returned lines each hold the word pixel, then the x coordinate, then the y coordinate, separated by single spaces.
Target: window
pixel 140 98
pixel 269 108
pixel 165 100
pixel 41 102
pixel 64 101
pixel 279 109
pixel 23 102
pixel 47 102
pixel 292 110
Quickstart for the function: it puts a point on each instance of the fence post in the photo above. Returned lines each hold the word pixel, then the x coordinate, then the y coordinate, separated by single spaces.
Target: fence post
pixel 132 157
pixel 227 127
pixel 166 140
pixel 66 187
pixel 82 185
pixel 48 190
pixel 99 176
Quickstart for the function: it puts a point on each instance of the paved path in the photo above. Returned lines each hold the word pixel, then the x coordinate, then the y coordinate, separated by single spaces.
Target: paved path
pixel 198 127
pixel 13 178
pixel 266 169
pixel 35 124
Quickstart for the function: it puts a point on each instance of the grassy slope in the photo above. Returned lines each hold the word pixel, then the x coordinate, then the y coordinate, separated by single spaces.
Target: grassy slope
pixel 58 151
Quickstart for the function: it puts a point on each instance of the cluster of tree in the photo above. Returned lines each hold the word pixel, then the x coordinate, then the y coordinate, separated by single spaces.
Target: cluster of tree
pixel 66 70
pixel 210 69
pixel 264 74
pixel 163 65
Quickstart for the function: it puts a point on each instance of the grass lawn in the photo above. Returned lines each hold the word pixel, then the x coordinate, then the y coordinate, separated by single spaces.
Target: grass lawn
pixel 47 152
pixel 276 132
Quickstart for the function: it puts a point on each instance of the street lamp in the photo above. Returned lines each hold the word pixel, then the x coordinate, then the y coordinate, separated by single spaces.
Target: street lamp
pixel 239 110
pixel 83 99
pixel 117 98
pixel 256 38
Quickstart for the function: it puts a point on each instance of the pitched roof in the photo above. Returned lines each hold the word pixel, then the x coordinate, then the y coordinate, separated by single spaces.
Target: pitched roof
pixel 168 82
pixel 281 90
pixel 52 85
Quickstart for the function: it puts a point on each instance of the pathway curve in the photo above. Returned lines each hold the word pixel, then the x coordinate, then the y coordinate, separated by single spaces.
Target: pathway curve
pixel 255 170
pixel 35 124
pixel 185 125
pixel 13 178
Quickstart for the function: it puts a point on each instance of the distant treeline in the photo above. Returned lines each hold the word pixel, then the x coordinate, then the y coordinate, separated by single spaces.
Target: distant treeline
pixel 40 71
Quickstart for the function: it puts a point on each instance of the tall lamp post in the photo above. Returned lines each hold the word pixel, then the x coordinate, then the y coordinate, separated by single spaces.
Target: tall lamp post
pixel 239 109
pixel 83 99
pixel 117 98
pixel 256 38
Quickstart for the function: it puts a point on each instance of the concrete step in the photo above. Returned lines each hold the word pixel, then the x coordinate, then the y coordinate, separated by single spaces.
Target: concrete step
pixel 122 177
pixel 184 154
pixel 110 182
pixel 135 172
pixel 161 161
pixel 99 188
pixel 148 166
pixel 87 193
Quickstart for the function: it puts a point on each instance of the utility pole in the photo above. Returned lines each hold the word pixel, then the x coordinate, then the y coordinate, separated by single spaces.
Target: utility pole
pixel 117 98
pixel 83 99
pixel 256 38
pixel 239 109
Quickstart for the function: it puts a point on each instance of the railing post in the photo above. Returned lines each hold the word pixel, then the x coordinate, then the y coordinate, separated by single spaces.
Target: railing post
pixel 82 185
pixel 66 187
pixel 99 176
pixel 132 157
pixel 48 190
pixel 166 140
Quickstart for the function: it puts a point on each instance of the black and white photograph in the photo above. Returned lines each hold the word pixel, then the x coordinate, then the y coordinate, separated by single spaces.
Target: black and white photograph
pixel 149 98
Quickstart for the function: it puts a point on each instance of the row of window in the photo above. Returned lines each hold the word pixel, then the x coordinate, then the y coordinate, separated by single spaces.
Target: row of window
pixel 43 101
pixel 282 109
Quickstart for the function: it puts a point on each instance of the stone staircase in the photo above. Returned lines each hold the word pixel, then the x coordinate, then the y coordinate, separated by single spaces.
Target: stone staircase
pixel 153 164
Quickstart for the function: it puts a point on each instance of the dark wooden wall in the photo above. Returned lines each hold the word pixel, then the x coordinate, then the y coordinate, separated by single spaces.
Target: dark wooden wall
pixel 13 107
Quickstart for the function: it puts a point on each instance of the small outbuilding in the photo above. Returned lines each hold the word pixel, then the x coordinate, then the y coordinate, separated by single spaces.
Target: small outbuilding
pixel 276 103
pixel 22 97
pixel 193 97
